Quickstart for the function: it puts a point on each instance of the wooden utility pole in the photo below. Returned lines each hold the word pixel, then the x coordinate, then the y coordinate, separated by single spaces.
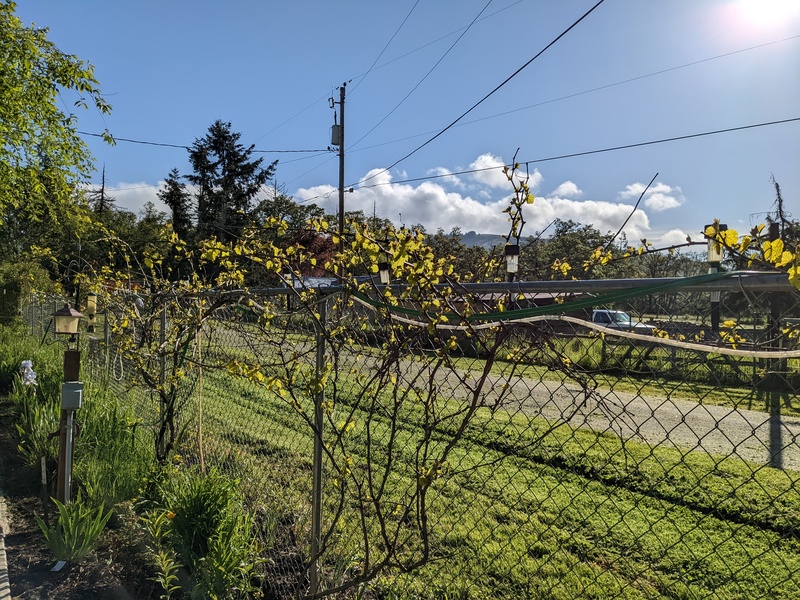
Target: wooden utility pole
pixel 341 172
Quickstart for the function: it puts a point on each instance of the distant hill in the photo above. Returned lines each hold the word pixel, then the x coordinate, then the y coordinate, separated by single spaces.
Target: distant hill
pixel 484 240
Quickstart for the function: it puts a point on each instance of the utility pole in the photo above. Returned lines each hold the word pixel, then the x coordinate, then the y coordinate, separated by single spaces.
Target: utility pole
pixel 338 139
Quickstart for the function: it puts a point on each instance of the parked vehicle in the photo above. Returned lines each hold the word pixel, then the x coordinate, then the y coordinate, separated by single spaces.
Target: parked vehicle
pixel 617 319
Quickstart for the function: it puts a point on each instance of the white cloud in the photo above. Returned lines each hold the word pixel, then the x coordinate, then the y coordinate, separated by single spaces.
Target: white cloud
pixel 661 202
pixel 443 203
pixel 568 189
pixel 492 170
pixel 133 196
pixel 430 204
pixel 491 173
pixel 673 237
pixel 603 216
pixel 446 176
pixel 658 197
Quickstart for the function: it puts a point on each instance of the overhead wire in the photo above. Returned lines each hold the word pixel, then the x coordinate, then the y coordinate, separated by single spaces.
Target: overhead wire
pixel 439 39
pixel 408 54
pixel 457 122
pixel 377 58
pixel 424 77
pixel 587 152
pixel 184 147
pixel 564 156
pixel 573 95
pixel 321 152
pixel 583 92
pixel 491 93
pixel 381 66
pixel 292 118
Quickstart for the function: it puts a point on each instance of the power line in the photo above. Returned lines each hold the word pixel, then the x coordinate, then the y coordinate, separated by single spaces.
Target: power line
pixel 491 93
pixel 560 98
pixel 588 152
pixel 439 39
pixel 572 155
pixel 183 147
pixel 453 45
pixel 292 118
pixel 322 152
pixel 381 66
pixel 372 66
pixel 664 140
pixel 144 143
pixel 588 91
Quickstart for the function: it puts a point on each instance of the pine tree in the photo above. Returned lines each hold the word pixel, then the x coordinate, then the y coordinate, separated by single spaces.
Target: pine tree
pixel 99 200
pixel 228 180
pixel 178 200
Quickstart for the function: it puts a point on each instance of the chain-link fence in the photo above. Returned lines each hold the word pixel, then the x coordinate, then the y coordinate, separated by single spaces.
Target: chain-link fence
pixel 598 439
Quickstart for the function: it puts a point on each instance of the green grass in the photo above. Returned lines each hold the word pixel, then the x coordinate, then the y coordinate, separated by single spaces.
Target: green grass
pixel 687 375
pixel 525 510
pixel 571 514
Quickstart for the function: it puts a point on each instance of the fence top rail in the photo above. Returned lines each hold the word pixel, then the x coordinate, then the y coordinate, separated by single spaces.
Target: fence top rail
pixel 744 280
pixel 751 281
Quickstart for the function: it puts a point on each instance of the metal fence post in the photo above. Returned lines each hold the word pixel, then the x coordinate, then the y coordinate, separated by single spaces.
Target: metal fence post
pixel 107 339
pixel 316 484
pixel 162 367
pixel 773 377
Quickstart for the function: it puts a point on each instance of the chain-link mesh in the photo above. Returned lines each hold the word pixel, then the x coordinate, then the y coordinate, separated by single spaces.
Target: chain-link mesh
pixel 540 452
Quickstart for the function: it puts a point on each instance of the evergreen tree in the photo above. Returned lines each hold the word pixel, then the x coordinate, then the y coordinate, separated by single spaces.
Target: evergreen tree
pixel 178 200
pixel 228 179
pixel 99 200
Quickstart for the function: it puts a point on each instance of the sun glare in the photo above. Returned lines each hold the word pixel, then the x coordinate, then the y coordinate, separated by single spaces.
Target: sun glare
pixel 769 13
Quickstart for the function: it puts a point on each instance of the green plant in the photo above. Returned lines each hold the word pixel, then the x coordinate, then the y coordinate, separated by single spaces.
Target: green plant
pixel 228 568
pixel 167 577
pixel 209 532
pixel 199 503
pixel 76 531
pixel 157 524
pixel 112 457
pixel 38 419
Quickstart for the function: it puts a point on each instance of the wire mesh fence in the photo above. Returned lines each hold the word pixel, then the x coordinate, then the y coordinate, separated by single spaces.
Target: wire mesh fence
pixel 605 439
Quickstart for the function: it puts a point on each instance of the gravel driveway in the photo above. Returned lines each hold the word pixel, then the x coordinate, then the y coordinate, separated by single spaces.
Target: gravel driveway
pixel 754 436
pixel 757 437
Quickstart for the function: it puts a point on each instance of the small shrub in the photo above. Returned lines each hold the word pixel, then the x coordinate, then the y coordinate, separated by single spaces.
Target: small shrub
pixel 38 419
pixel 209 531
pixel 76 531
pixel 157 524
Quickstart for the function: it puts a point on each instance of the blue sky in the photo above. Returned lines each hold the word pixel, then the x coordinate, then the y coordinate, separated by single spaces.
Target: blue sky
pixel 632 71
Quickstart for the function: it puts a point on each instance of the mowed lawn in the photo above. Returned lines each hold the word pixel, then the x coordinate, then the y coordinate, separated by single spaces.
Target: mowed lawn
pixel 525 510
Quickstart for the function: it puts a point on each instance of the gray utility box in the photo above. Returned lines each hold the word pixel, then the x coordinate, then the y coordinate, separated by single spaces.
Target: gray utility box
pixel 71 395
